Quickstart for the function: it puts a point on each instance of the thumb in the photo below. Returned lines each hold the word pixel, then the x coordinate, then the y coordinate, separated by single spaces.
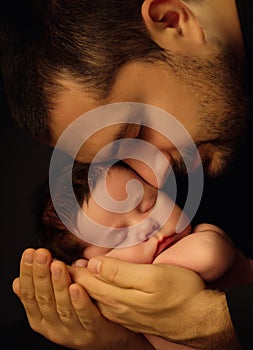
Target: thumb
pixel 16 286
pixel 120 273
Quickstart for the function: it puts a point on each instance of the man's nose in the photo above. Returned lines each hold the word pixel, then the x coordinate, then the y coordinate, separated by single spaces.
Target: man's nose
pixel 155 173
pixel 146 159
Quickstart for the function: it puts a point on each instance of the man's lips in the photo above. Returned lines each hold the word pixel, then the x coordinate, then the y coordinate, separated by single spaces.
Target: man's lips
pixel 165 243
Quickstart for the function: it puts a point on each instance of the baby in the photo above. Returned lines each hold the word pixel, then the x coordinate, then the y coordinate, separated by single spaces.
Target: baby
pixel 206 249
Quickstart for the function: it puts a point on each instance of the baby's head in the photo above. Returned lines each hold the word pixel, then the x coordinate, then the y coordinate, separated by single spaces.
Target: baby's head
pixel 54 235
pixel 152 237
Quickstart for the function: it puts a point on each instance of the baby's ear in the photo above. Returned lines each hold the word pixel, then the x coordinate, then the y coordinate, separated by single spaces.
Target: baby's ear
pixel 80 263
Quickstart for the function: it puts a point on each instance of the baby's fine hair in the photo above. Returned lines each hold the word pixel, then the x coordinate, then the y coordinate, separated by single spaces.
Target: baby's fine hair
pixel 55 236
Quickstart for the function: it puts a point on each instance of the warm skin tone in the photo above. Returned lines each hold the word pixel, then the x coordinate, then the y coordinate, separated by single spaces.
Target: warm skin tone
pixel 193 105
pixel 150 240
pixel 196 252
pixel 207 251
pixel 187 29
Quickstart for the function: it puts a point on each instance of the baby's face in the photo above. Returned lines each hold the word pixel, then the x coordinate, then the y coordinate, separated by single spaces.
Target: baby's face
pixel 147 210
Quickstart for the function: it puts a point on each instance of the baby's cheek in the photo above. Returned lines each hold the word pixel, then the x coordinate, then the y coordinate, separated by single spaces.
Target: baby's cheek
pixel 125 254
pixel 139 254
pixel 92 251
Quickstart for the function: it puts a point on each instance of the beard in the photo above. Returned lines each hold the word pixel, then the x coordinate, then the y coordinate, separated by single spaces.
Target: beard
pixel 218 86
pixel 215 158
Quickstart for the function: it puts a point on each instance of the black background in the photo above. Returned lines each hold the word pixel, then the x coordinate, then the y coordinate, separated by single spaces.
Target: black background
pixel 24 166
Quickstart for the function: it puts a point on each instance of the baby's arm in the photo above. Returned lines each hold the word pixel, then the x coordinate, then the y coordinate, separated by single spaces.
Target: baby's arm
pixel 207 251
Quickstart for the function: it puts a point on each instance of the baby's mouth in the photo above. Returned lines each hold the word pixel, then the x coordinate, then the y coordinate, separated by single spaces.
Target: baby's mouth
pixel 139 233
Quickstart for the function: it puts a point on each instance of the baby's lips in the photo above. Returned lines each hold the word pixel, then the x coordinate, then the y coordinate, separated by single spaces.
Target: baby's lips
pixel 139 233
pixel 147 229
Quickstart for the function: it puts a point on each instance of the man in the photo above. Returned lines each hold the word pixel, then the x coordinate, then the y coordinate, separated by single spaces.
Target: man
pixel 185 57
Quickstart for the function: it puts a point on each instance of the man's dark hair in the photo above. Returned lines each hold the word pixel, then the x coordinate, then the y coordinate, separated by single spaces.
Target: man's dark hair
pixel 86 41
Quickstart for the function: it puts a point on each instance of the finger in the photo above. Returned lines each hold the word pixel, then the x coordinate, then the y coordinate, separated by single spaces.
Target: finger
pixel 16 286
pixel 85 309
pixel 80 263
pixel 96 288
pixel 26 286
pixel 89 314
pixel 113 303
pixel 44 292
pixel 61 281
pixel 123 274
pixel 107 294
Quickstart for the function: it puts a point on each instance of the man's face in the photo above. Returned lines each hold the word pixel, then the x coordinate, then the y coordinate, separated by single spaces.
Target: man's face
pixel 198 99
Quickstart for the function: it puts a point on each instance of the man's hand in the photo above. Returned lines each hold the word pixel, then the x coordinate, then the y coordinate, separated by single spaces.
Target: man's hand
pixel 64 313
pixel 164 300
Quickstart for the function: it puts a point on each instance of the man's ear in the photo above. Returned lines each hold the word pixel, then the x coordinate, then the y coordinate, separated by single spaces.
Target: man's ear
pixel 172 25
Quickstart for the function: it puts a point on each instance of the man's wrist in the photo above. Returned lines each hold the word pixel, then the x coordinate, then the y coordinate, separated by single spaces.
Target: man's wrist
pixel 138 341
pixel 211 326
pixel 130 341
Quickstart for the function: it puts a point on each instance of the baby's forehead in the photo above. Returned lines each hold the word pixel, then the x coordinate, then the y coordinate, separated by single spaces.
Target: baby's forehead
pixel 114 179
pixel 113 170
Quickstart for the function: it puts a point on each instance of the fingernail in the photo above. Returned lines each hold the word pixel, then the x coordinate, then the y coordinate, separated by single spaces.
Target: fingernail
pixel 74 292
pixel 94 265
pixel 40 259
pixel 28 258
pixel 56 272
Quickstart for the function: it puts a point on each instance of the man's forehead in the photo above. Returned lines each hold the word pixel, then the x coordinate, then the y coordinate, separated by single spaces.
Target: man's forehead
pixel 71 103
pixel 74 99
